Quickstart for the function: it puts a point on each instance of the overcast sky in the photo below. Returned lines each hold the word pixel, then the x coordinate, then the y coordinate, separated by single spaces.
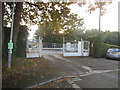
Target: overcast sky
pixel 109 21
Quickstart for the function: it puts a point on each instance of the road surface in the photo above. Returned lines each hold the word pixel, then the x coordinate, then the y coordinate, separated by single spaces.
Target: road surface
pixel 91 72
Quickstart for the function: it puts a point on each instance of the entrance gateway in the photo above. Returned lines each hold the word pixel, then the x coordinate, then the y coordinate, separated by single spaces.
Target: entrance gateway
pixel 80 48
pixel 69 48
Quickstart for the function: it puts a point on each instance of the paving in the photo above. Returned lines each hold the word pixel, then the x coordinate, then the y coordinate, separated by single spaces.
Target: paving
pixel 102 80
pixel 90 72
pixel 76 72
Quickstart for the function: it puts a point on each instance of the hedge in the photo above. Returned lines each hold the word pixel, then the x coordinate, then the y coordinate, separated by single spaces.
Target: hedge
pixel 98 48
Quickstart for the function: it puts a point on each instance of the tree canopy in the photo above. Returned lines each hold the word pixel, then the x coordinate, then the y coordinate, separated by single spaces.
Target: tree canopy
pixel 55 17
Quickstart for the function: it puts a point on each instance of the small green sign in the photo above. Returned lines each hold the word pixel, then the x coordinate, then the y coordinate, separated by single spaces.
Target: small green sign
pixel 10 45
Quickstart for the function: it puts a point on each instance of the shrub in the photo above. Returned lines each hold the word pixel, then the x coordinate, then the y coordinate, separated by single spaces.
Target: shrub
pixel 95 46
pixel 98 48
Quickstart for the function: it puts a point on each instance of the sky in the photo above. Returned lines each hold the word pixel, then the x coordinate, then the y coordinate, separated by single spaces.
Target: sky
pixel 109 21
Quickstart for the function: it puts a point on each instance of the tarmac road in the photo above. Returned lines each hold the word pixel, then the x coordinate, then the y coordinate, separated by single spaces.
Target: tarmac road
pixel 91 72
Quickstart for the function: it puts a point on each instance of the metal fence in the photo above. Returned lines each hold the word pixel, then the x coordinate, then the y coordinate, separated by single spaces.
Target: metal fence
pixel 34 48
pixel 70 47
pixel 47 45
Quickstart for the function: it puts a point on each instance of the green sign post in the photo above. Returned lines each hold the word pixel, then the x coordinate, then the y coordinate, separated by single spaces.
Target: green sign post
pixel 10 45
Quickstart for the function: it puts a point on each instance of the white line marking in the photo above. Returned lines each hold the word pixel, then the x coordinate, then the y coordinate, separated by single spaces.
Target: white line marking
pixel 98 72
pixel 87 68
pixel 73 84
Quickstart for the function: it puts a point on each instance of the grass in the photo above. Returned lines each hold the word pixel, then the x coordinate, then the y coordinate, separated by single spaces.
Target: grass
pixel 25 72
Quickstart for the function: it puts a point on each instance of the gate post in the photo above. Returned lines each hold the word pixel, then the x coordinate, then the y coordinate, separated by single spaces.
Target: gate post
pixel 63 44
pixel 79 48
pixel 40 46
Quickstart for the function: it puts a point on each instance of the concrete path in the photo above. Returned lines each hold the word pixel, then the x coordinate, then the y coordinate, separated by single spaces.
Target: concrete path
pixel 91 72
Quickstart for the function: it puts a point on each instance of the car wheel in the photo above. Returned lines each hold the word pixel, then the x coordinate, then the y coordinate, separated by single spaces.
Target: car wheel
pixel 107 58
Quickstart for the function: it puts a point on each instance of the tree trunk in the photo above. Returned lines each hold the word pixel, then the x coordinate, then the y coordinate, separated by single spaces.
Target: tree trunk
pixel 3 10
pixel 3 36
pixel 22 41
pixel 17 19
pixel 0 31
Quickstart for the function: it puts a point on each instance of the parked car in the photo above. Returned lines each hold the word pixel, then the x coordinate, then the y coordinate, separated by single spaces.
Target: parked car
pixel 113 53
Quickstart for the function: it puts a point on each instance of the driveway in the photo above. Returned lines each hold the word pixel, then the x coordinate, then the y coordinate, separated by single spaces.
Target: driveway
pixel 91 72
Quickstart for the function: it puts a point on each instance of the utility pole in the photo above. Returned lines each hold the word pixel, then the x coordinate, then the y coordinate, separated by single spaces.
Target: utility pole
pixel 119 23
pixel 10 44
pixel 99 35
pixel 100 19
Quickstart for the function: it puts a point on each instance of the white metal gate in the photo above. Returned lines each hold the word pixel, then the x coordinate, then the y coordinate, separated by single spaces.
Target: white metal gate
pixel 34 48
pixel 80 48
pixel 52 46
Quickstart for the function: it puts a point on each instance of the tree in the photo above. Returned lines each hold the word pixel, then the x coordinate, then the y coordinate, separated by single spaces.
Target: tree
pixel 92 32
pixel 17 18
pixel 49 35
pixel 59 20
pixel 22 41
pixel 75 34
pixel 34 13
pixel 39 13
pixel 111 38
pixel 100 5
pixel 92 7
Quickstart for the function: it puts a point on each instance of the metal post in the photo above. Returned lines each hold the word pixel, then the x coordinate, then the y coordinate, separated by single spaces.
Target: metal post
pixel 99 19
pixel 11 35
pixel 99 35
pixel 63 44
pixel 81 47
pixel 119 24
pixel 54 46
pixel 40 47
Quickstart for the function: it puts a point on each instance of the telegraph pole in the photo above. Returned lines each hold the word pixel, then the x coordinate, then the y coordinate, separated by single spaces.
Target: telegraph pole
pixel 10 44
pixel 99 35
pixel 99 19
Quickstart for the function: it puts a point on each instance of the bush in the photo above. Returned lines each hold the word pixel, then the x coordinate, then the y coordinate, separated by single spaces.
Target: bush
pixel 98 48
pixel 95 46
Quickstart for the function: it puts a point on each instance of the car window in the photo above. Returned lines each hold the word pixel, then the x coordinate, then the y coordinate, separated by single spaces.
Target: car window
pixel 117 50
pixel 113 50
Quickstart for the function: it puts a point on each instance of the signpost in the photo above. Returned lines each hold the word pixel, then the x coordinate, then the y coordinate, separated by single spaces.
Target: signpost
pixel 10 44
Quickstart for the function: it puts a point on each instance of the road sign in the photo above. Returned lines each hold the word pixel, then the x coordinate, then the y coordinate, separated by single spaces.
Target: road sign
pixel 10 45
